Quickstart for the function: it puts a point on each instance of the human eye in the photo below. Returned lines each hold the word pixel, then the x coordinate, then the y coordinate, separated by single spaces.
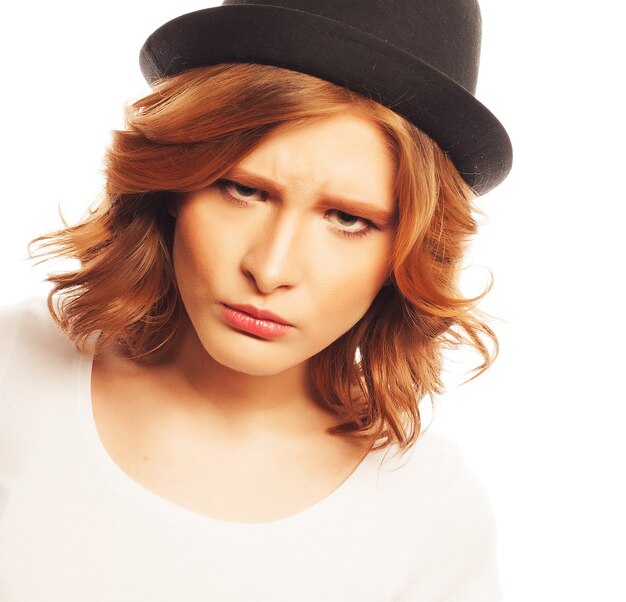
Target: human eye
pixel 237 193
pixel 367 228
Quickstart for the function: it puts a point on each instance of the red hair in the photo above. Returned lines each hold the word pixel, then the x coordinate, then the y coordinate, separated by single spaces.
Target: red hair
pixel 181 138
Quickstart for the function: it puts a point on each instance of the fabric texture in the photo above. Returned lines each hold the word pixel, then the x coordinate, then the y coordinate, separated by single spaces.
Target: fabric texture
pixel 418 57
pixel 75 528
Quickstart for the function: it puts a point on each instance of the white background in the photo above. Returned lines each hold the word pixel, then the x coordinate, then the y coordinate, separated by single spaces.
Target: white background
pixel 544 427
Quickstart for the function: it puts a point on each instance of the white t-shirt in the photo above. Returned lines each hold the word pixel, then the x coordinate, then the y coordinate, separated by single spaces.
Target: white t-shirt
pixel 75 528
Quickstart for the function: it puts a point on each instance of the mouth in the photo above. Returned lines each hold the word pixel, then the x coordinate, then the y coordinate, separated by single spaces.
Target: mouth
pixel 260 314
pixel 250 324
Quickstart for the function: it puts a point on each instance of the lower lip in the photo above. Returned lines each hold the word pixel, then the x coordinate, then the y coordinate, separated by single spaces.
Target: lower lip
pixel 248 323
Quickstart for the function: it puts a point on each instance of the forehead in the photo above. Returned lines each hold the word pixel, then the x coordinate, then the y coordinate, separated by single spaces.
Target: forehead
pixel 343 153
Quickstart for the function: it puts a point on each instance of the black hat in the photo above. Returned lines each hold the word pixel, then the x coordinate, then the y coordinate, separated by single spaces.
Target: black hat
pixel 418 57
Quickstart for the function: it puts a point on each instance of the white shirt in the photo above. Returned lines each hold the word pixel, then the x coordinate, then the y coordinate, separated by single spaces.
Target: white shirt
pixel 75 528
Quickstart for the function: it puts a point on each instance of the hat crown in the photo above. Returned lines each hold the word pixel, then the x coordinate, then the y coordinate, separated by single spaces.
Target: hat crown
pixel 418 57
pixel 445 34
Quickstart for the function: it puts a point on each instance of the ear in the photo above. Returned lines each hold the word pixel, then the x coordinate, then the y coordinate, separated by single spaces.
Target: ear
pixel 172 205
pixel 388 282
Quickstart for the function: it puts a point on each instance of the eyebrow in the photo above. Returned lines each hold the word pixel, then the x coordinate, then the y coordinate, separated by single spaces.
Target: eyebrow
pixel 351 206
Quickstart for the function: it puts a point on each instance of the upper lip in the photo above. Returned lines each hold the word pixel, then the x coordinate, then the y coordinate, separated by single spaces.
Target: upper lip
pixel 259 313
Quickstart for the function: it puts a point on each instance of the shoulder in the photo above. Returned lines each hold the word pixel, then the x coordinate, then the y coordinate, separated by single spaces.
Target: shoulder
pixel 28 319
pixel 458 497
pixel 27 316
pixel 18 319
pixel 32 344
pixel 33 305
pixel 451 526
pixel 435 479
pixel 38 385
pixel 434 463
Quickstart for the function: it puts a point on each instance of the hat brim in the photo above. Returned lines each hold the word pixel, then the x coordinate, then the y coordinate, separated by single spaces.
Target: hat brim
pixel 463 127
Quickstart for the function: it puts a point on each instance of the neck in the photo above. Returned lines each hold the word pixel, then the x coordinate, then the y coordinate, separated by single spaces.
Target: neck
pixel 239 400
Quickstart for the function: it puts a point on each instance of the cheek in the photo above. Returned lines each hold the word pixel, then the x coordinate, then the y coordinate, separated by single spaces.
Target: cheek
pixel 190 262
pixel 352 286
pixel 200 249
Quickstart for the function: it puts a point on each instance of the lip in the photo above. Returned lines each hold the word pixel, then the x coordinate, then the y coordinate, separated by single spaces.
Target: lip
pixel 261 327
pixel 261 314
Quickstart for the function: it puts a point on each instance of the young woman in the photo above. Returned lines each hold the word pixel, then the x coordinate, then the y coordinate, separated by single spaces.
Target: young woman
pixel 205 408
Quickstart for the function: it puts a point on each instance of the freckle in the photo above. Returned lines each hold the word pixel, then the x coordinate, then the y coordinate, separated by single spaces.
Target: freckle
pixel 145 458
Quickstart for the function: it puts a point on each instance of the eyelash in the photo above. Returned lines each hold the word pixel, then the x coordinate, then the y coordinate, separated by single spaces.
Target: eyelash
pixel 223 184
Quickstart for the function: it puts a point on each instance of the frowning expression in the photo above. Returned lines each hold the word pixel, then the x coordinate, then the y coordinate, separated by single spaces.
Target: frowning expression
pixel 303 227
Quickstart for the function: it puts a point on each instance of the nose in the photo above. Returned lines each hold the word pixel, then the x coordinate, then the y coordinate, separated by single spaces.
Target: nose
pixel 274 255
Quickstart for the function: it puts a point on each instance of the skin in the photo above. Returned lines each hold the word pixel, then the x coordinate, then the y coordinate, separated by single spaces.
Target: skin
pixel 285 255
pixel 226 426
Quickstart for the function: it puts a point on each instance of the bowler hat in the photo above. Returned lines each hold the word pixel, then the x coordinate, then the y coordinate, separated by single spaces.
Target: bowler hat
pixel 418 57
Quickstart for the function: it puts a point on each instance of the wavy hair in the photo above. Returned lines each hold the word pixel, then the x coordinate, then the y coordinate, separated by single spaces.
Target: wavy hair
pixel 182 137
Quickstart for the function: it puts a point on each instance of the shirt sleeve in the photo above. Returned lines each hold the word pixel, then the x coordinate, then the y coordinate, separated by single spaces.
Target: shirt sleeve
pixel 456 553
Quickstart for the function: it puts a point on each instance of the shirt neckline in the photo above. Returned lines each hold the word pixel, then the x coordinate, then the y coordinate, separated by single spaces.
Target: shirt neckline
pixel 150 501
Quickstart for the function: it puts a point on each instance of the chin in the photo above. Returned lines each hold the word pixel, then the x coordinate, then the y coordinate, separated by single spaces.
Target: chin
pixel 249 355
pixel 262 366
pixel 253 367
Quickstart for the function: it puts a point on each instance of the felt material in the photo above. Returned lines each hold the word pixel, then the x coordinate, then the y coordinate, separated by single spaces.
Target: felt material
pixel 418 57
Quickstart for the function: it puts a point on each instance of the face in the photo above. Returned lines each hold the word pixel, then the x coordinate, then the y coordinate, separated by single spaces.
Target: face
pixel 281 231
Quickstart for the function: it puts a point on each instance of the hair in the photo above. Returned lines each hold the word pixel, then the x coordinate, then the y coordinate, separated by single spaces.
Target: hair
pixel 182 137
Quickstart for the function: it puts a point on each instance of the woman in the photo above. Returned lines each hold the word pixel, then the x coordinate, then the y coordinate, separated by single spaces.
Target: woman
pixel 262 301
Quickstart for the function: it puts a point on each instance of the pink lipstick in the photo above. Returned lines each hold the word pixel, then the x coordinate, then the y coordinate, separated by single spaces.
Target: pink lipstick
pixel 260 326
